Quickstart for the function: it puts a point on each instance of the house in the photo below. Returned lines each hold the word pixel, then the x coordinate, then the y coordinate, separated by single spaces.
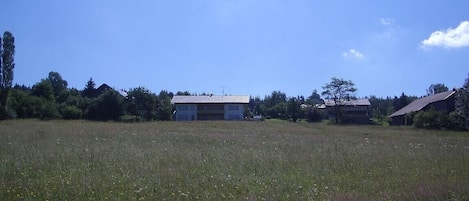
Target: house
pixel 354 110
pixel 94 93
pixel 191 108
pixel 444 101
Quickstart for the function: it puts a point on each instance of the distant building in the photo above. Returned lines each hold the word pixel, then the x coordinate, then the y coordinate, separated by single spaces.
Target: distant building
pixel 354 111
pixel 444 101
pixel 94 93
pixel 191 108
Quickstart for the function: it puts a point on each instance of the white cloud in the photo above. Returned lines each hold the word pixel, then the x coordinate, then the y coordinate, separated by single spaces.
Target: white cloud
pixel 386 21
pixel 352 53
pixel 450 38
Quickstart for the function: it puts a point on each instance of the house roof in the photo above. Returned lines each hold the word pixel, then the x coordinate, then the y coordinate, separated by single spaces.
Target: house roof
pixel 419 104
pixel 209 99
pixel 356 102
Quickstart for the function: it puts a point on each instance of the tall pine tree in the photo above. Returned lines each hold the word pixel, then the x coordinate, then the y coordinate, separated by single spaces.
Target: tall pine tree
pixel 6 70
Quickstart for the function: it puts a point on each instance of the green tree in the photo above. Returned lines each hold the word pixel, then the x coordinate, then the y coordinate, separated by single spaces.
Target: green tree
pixel 314 114
pixel 165 108
pixel 108 106
pixel 7 64
pixel 183 93
pixel 257 106
pixel 44 105
pixel 431 119
pixel 314 98
pixel 142 103
pixel 17 102
pixel 43 90
pixel 59 86
pixel 90 89
pixel 72 107
pixel 462 102
pixel 276 104
pixel 339 90
pixel 293 108
pixel 436 88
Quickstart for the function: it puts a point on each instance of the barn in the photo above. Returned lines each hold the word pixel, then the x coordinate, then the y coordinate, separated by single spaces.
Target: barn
pixel 444 101
pixel 192 108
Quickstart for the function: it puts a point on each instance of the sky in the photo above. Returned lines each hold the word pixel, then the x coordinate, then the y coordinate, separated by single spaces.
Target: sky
pixel 242 47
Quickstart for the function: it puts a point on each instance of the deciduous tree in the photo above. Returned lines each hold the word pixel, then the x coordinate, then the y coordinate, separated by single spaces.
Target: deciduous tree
pixel 143 103
pixel 462 102
pixel 339 90
pixel 436 88
pixel 165 108
pixel 293 108
pixel 59 85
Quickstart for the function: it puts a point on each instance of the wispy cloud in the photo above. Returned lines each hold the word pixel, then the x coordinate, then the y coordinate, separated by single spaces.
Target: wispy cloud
pixel 449 38
pixel 352 53
pixel 386 21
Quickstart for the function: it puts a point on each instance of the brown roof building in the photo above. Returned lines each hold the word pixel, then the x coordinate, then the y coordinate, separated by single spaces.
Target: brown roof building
pixel 443 101
pixel 354 110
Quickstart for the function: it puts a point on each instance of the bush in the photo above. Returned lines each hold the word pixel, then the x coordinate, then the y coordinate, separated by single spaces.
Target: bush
pixel 71 112
pixel 431 119
pixel 108 106
pixel 456 122
pixel 313 114
pixel 48 110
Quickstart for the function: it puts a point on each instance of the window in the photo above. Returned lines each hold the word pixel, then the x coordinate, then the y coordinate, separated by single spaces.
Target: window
pixel 183 107
pixel 233 107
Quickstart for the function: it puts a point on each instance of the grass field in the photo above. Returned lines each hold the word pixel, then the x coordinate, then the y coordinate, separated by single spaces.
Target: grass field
pixel 80 160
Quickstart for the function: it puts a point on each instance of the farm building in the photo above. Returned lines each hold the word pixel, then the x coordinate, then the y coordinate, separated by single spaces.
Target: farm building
pixel 191 108
pixel 444 101
pixel 354 110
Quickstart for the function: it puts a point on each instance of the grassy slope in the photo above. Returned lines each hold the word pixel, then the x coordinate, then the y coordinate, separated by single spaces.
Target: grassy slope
pixel 78 160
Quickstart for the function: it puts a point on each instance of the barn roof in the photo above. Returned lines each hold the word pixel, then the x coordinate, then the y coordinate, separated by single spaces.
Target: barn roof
pixel 209 99
pixel 356 102
pixel 419 104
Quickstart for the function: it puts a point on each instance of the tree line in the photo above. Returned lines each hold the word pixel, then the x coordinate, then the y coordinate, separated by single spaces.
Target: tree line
pixel 51 98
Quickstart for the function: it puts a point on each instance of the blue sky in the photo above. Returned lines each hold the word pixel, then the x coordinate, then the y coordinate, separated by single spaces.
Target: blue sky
pixel 244 47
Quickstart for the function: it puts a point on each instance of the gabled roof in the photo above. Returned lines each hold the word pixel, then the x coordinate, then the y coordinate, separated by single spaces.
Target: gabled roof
pixel 356 102
pixel 209 99
pixel 419 104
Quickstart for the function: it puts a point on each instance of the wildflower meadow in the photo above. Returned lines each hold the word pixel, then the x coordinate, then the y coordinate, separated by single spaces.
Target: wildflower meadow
pixel 229 160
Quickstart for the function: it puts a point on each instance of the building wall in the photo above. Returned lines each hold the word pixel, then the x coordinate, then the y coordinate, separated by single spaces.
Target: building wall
pixel 447 105
pixel 351 114
pixel 186 112
pixel 192 112
pixel 210 111
pixel 234 111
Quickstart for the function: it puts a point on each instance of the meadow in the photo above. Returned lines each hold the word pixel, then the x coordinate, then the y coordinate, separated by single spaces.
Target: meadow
pixel 229 160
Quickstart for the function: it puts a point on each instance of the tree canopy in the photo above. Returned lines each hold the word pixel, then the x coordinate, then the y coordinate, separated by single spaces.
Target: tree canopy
pixel 436 88
pixel 462 102
pixel 339 90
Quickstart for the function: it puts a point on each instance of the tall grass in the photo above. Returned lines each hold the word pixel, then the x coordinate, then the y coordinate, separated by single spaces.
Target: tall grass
pixel 79 160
